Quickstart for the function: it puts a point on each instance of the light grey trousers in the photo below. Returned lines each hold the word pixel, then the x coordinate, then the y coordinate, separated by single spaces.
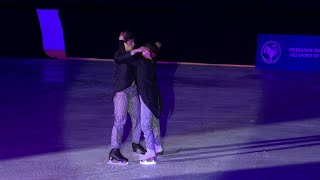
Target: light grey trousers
pixel 124 102
pixel 150 127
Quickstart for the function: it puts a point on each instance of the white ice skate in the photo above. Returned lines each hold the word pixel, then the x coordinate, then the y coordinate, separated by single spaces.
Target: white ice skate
pixel 149 158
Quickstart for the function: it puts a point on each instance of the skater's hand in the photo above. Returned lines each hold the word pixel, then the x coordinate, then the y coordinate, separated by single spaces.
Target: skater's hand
pixel 147 54
pixel 158 44
pixel 122 35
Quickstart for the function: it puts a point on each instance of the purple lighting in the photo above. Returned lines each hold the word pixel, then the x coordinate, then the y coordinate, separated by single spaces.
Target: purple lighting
pixel 52 32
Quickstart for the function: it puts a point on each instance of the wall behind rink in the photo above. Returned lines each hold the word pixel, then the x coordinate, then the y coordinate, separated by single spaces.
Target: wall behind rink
pixel 185 35
pixel 211 32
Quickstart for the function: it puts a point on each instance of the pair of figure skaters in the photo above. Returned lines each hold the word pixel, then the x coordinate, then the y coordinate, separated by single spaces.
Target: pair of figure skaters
pixel 136 92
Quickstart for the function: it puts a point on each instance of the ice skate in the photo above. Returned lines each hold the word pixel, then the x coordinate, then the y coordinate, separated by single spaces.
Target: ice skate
pixel 116 158
pixel 138 148
pixel 148 158
pixel 159 150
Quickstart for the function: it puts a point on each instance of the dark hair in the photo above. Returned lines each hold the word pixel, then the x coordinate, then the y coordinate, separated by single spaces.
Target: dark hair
pixel 129 35
pixel 153 47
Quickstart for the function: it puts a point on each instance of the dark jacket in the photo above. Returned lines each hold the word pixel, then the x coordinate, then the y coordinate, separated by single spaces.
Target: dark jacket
pixel 125 74
pixel 146 80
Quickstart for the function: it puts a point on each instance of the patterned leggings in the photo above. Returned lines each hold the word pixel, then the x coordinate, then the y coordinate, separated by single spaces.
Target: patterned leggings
pixel 124 102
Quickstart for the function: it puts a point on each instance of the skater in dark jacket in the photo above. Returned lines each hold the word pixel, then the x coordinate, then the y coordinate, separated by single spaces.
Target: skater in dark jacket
pixel 125 100
pixel 143 59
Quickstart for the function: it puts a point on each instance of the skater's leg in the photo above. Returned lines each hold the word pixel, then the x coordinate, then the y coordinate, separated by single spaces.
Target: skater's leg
pixel 157 135
pixel 146 125
pixel 120 101
pixel 156 130
pixel 134 111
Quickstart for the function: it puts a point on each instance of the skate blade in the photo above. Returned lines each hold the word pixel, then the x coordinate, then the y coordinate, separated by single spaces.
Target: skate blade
pixel 148 162
pixel 117 163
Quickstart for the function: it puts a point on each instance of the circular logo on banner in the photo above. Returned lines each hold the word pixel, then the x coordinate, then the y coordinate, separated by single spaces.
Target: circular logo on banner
pixel 270 52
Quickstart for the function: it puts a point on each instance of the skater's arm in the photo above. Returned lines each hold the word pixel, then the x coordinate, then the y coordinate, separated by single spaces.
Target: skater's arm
pixel 121 46
pixel 125 57
pixel 120 51
pixel 130 57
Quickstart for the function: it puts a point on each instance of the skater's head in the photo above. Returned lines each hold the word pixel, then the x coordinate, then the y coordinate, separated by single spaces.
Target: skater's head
pixel 129 40
pixel 152 50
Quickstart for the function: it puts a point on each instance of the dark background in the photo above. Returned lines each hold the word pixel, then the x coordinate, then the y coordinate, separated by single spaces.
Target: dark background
pixel 193 31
